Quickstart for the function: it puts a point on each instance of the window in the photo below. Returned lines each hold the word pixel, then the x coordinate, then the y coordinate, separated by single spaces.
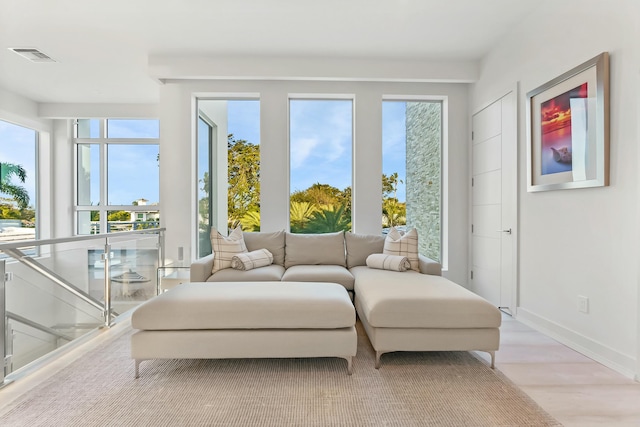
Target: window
pixel 117 176
pixel 228 163
pixel 320 146
pixel 412 171
pixel 18 177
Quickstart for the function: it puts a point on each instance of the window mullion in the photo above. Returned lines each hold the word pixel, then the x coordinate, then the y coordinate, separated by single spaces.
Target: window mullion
pixel 104 147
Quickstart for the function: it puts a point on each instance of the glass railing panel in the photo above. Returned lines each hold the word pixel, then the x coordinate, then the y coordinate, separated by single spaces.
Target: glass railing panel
pixel 41 315
pixel 134 268
pixel 57 293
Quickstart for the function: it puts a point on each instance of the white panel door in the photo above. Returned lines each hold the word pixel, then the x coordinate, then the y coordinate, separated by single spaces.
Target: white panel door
pixel 493 201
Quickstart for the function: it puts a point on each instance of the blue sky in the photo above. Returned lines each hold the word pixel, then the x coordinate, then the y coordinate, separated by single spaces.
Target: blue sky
pixel 17 146
pixel 321 147
pixel 321 139
pixel 133 169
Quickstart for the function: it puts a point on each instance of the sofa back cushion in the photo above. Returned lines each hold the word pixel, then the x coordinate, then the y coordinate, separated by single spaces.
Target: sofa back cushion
pixel 314 249
pixel 360 246
pixel 273 242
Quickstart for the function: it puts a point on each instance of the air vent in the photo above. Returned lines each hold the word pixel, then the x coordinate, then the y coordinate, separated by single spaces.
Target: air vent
pixel 32 54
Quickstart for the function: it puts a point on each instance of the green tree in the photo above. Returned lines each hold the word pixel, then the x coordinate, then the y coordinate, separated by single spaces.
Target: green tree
pixel 329 220
pixel 390 185
pixel 119 216
pixel 203 203
pixel 8 209
pixel 7 172
pixel 251 221
pixel 243 178
pixel 393 212
pixel 300 213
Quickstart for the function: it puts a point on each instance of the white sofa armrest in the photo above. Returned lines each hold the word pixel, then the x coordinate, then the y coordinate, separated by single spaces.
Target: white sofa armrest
pixel 201 269
pixel 429 266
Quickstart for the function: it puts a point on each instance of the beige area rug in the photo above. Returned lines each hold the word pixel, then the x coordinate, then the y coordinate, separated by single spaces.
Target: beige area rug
pixel 410 389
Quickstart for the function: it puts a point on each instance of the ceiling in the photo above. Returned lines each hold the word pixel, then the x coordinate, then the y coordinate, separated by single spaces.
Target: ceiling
pixel 102 48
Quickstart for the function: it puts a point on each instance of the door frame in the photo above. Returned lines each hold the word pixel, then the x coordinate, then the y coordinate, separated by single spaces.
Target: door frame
pixel 511 130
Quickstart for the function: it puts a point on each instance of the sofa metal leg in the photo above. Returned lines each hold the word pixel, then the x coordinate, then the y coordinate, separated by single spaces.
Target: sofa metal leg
pixel 378 354
pixel 493 359
pixel 137 368
pixel 349 365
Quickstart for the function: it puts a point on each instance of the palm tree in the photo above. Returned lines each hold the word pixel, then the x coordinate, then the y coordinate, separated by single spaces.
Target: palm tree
pixel 18 192
pixel 251 221
pixel 328 220
pixel 300 214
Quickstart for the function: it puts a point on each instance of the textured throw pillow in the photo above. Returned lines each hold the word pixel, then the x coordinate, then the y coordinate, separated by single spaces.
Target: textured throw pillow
pixel 250 260
pixel 224 248
pixel 403 245
pixel 388 262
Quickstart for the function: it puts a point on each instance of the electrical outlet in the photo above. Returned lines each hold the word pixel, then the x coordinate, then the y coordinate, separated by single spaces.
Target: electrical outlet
pixel 583 304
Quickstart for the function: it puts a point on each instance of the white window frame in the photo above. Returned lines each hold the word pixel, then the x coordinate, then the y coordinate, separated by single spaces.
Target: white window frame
pixel 103 142
pixel 321 97
pixel 444 166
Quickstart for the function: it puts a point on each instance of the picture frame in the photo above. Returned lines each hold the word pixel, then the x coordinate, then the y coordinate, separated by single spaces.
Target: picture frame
pixel 568 129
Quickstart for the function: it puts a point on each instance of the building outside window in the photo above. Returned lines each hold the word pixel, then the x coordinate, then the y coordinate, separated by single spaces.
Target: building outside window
pixel 117 179
pixel 18 178
pixel 412 171
pixel 320 147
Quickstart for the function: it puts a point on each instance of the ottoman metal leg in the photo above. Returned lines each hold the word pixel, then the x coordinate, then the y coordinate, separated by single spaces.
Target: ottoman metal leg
pixel 378 354
pixel 349 364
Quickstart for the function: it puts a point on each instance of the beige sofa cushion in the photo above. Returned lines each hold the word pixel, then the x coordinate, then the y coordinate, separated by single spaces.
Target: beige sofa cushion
pixel 360 246
pixel 319 273
pixel 273 242
pixel 391 299
pixel 249 305
pixel 314 249
pixel 270 273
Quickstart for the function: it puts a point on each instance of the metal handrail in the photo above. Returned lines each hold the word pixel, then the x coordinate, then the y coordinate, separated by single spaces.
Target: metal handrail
pixel 13 250
pixel 28 243
pixel 55 278
pixel 38 326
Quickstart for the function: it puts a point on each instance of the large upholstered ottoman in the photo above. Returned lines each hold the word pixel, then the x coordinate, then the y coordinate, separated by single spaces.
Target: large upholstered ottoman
pixel 246 320
pixel 410 311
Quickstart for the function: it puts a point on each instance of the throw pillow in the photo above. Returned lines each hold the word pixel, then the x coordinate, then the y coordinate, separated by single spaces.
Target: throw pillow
pixel 224 248
pixel 388 262
pixel 403 245
pixel 251 260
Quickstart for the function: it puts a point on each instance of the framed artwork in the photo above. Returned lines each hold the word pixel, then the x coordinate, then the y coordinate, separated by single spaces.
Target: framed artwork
pixel 568 129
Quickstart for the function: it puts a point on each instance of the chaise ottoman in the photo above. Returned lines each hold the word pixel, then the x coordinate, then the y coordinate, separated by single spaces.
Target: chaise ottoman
pixel 410 311
pixel 246 320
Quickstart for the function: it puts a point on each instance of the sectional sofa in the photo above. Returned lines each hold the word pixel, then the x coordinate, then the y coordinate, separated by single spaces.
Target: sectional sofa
pixel 414 310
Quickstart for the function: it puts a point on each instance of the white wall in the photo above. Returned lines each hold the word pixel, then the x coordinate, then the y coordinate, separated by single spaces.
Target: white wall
pixel 177 191
pixel 578 242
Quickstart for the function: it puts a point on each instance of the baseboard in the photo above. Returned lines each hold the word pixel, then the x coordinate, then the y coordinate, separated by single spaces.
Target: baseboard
pixel 599 352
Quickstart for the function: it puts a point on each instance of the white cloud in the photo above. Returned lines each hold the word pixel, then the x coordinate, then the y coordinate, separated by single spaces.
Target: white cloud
pixel 301 149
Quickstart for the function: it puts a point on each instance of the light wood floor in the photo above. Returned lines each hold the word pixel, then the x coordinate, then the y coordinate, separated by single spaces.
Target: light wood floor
pixel 573 388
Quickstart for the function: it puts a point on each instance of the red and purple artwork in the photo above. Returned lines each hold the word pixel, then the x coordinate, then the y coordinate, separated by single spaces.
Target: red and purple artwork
pixel 556 150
